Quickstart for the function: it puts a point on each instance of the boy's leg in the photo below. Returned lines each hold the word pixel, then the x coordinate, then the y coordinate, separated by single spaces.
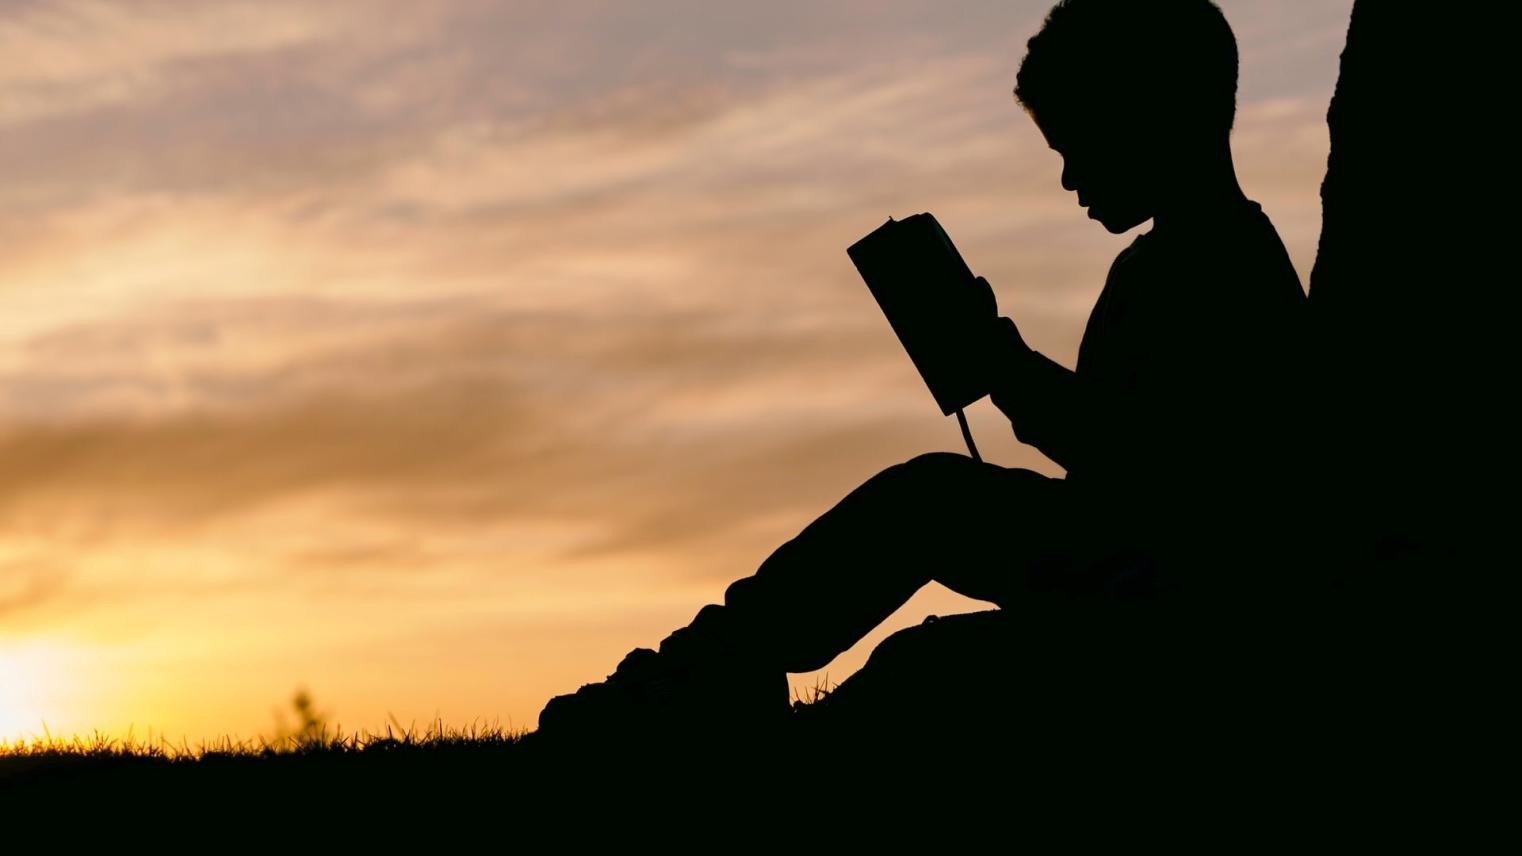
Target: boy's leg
pixel 978 528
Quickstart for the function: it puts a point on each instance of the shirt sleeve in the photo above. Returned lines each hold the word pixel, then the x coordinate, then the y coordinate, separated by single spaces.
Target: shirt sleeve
pixel 1149 405
pixel 1078 422
pixel 1202 392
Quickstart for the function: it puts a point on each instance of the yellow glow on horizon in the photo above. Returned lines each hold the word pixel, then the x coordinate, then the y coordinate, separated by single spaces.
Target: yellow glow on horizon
pixel 29 682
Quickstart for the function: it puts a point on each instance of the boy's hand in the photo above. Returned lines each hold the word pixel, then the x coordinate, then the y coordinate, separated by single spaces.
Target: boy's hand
pixel 991 303
pixel 1004 352
pixel 999 344
pixel 1001 336
pixel 1007 339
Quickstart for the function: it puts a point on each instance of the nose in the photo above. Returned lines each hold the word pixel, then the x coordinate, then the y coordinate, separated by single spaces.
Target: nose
pixel 1069 176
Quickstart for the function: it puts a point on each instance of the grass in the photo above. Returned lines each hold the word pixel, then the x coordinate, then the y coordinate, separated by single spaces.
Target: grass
pixel 315 759
pixel 323 761
pixel 315 736
pixel 429 769
pixel 453 782
pixel 325 739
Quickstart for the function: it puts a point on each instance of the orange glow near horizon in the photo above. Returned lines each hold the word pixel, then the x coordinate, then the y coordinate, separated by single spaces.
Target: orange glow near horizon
pixel 27 676
pixel 432 356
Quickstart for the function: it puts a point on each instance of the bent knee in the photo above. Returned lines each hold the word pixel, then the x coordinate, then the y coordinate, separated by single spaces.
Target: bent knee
pixel 933 468
pixel 941 460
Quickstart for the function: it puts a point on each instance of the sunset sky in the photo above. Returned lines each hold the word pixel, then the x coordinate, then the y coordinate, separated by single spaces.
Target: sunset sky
pixel 431 356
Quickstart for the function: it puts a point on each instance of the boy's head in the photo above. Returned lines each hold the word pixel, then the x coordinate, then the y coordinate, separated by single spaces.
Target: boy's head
pixel 1129 91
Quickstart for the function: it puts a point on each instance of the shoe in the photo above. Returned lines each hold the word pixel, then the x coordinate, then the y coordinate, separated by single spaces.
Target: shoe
pixel 702 682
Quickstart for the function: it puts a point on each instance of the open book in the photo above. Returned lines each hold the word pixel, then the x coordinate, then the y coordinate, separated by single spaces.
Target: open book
pixel 933 302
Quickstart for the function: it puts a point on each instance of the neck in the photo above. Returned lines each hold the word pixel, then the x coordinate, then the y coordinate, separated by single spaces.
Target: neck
pixel 1203 183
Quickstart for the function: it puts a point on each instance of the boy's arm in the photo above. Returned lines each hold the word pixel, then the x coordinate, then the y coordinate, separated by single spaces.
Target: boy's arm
pixel 1037 395
pixel 1050 407
pixel 1047 404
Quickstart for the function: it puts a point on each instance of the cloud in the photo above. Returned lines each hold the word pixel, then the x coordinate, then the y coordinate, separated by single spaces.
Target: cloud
pixel 440 414
pixel 26 583
pixel 635 299
pixel 71 56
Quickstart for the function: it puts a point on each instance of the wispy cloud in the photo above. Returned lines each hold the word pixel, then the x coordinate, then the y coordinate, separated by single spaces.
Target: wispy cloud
pixel 72 56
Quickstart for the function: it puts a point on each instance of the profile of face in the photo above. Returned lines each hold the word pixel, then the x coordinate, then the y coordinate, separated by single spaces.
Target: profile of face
pixel 1108 166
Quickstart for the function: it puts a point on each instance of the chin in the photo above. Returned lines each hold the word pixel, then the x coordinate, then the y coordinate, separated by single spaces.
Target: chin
pixel 1118 225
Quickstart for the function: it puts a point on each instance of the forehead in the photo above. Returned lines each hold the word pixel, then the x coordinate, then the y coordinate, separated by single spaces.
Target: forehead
pixel 1080 129
pixel 1047 131
pixel 1060 131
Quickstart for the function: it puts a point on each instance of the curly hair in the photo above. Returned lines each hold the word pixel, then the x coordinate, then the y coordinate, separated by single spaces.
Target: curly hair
pixel 1096 54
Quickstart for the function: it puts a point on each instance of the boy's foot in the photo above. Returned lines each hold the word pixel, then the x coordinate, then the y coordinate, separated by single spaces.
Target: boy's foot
pixel 701 683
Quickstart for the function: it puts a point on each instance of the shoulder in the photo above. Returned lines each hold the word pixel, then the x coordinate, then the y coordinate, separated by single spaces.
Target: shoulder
pixel 1262 263
pixel 1234 255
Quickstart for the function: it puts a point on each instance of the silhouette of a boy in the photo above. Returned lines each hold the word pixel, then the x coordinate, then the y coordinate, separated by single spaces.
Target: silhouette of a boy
pixel 1173 428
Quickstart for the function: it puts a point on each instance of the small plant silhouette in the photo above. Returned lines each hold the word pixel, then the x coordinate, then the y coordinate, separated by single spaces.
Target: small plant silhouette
pixel 804 696
pixel 311 730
